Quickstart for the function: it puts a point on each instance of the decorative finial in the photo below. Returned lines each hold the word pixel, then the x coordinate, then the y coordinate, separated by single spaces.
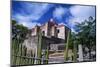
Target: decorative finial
pixel 51 19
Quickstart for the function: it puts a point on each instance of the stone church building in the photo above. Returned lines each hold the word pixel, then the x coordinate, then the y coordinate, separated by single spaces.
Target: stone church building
pixel 54 35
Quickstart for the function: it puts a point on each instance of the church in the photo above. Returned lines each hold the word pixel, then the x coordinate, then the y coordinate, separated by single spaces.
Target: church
pixel 53 38
pixel 54 34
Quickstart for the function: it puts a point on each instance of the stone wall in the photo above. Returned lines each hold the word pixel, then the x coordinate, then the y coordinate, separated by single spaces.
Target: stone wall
pixel 57 47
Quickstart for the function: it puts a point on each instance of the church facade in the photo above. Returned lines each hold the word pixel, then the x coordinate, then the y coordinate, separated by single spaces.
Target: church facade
pixel 55 35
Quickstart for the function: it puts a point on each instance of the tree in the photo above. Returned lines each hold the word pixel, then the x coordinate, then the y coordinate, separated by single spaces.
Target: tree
pixel 87 33
pixel 18 31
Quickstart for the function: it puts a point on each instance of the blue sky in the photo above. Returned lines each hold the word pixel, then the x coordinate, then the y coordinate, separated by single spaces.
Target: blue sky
pixel 30 14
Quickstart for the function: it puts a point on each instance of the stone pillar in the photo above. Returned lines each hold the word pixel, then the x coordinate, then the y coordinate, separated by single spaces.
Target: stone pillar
pixel 80 52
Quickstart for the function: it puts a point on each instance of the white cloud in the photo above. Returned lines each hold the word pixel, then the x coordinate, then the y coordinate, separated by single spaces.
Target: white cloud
pixel 29 24
pixel 83 11
pixel 36 10
pixel 59 12
pixel 62 23
pixel 26 21
pixel 80 13
pixel 31 12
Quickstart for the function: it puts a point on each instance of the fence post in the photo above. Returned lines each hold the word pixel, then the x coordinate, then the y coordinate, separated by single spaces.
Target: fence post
pixel 15 51
pixel 66 44
pixel 20 50
pixel 75 52
pixel 47 50
pixel 39 49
